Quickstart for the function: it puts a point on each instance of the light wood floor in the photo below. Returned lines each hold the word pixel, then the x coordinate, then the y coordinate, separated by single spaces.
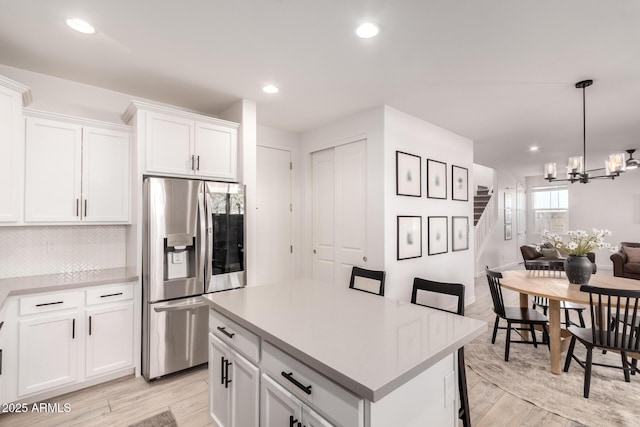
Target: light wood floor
pixel 129 400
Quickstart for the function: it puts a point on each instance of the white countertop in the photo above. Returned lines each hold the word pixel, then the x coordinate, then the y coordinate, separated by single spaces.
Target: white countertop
pixel 369 344
pixel 54 282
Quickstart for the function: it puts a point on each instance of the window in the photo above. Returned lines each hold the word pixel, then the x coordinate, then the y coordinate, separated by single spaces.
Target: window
pixel 550 209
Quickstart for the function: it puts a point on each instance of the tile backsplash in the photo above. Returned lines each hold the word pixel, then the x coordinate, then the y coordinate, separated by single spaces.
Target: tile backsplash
pixel 30 251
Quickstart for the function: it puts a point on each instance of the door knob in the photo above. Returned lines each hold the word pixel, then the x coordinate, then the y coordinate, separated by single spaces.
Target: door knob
pixel 364 258
pixel 314 251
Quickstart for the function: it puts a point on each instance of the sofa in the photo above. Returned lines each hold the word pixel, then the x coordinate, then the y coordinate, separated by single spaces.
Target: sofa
pixel 533 257
pixel 626 262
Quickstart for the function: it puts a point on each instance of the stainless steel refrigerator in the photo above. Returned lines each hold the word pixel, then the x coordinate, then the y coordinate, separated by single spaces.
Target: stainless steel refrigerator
pixel 193 243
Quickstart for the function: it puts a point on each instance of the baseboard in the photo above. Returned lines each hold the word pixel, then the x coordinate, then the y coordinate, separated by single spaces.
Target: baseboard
pixel 498 268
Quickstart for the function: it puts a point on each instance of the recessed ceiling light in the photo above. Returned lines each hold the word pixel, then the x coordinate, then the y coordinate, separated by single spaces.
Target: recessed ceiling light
pixel 534 148
pixel 80 26
pixel 368 30
pixel 270 89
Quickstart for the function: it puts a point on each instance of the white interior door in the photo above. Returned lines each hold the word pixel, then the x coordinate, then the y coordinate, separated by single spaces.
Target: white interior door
pixel 339 211
pixel 521 219
pixel 273 215
pixel 323 215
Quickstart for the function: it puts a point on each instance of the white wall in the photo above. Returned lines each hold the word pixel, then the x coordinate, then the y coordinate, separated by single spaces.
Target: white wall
pixel 364 125
pixel 289 141
pixel 403 132
pixel 613 205
pixel 483 176
pixel 498 252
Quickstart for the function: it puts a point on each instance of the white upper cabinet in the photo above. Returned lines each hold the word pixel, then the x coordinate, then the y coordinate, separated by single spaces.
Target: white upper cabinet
pixel 76 173
pixel 179 143
pixel 11 149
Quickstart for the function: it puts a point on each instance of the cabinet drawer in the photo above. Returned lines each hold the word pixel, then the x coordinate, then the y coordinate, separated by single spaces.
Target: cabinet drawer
pixel 235 335
pixel 104 294
pixel 44 303
pixel 339 405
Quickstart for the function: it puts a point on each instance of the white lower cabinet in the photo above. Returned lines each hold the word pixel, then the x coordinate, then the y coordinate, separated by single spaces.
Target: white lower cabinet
pixel 109 343
pixel 48 352
pixel 56 340
pixel 234 386
pixel 281 408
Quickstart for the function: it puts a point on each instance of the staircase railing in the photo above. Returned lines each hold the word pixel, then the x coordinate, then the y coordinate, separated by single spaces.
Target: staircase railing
pixel 485 224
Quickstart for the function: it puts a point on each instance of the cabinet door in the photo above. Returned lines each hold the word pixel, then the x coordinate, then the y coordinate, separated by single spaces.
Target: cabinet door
pixel 53 171
pixel 245 391
pixel 216 148
pixel 11 149
pixel 109 343
pixel 48 349
pixel 105 175
pixel 278 407
pixel 310 418
pixel 219 396
pixel 170 144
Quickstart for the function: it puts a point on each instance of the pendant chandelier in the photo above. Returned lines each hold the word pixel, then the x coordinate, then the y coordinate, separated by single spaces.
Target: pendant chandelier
pixel 576 171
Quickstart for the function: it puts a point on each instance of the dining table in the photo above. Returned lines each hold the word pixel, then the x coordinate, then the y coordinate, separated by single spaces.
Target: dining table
pixel 555 286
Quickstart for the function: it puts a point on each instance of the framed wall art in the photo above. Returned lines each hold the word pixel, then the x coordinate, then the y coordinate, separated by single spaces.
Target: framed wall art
pixel 507 232
pixel 436 179
pixel 408 174
pixel 459 233
pixel 438 229
pixel 409 237
pixel 459 183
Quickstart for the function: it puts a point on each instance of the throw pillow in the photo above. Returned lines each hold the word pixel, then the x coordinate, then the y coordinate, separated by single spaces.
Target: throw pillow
pixel 550 253
pixel 633 254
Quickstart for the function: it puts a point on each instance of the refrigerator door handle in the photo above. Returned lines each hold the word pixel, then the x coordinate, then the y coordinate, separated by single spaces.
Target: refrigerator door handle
pixel 202 237
pixel 208 239
pixel 178 307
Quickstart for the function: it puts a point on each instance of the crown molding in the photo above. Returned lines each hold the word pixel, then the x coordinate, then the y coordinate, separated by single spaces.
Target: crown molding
pixel 48 115
pixel 18 87
pixel 157 108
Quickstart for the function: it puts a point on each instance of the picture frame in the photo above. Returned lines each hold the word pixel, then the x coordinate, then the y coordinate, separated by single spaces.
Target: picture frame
pixel 507 200
pixel 409 238
pixel 438 233
pixel 459 183
pixel 507 216
pixel 408 174
pixel 507 232
pixel 459 233
pixel 436 179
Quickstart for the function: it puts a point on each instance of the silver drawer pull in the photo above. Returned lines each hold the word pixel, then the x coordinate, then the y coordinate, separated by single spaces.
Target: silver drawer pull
pixel 179 307
pixel 49 303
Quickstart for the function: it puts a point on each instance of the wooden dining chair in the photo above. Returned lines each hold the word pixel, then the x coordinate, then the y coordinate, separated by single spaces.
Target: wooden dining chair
pixel 370 281
pixel 457 290
pixel 614 312
pixel 527 318
pixel 553 268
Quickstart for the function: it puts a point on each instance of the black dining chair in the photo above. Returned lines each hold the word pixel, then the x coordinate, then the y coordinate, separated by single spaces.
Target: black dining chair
pixel 553 268
pixel 456 290
pixel 527 318
pixel 614 312
pixel 365 280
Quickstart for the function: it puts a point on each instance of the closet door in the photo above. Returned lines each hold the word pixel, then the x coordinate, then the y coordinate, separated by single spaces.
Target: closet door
pixel 339 211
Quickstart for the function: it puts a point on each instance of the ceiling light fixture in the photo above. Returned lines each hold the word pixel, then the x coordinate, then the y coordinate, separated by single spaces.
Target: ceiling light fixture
pixel 631 162
pixel 368 30
pixel 576 169
pixel 270 89
pixel 533 148
pixel 80 26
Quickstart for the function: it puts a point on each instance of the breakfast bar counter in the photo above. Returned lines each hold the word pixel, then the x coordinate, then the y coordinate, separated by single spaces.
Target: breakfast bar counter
pixel 396 360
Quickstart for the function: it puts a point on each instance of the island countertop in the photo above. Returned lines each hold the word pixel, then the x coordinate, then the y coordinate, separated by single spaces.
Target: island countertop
pixel 368 344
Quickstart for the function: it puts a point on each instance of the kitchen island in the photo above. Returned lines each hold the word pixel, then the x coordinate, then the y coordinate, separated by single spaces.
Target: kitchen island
pixel 303 353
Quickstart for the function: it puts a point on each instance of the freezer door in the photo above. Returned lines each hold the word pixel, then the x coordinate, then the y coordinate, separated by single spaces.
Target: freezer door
pixel 173 239
pixel 176 336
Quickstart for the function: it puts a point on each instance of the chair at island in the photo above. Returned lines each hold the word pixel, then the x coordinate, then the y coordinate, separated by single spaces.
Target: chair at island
pixel 370 281
pixel 527 318
pixel 626 262
pixel 457 290
pixel 618 334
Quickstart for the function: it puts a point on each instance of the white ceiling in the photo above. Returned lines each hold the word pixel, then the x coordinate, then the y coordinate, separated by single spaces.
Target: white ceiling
pixel 499 72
